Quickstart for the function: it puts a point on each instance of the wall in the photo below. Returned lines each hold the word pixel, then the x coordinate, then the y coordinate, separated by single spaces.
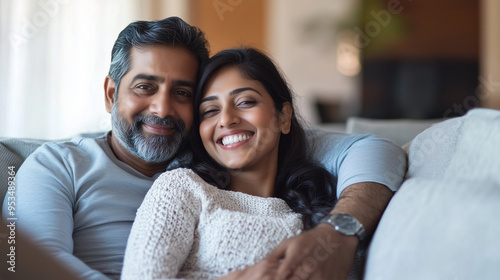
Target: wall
pixel 231 23
pixel 490 54
pixel 304 39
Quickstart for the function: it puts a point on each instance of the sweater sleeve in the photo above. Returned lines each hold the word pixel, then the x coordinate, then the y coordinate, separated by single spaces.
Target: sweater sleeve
pixel 358 158
pixel 163 231
pixel 44 207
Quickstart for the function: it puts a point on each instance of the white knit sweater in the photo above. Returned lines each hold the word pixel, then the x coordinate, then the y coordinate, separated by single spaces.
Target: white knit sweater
pixel 186 228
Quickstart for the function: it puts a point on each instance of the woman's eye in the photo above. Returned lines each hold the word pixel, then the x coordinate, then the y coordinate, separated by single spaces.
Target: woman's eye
pixel 208 113
pixel 247 103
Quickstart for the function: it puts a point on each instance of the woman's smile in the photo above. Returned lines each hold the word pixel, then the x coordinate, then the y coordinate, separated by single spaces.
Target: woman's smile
pixel 234 139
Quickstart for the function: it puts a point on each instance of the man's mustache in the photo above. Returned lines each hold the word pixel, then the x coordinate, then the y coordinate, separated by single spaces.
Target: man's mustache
pixel 170 121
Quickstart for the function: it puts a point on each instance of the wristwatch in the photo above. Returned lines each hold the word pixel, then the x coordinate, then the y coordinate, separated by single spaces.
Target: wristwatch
pixel 345 224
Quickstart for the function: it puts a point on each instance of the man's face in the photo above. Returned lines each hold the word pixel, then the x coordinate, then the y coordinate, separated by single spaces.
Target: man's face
pixel 153 111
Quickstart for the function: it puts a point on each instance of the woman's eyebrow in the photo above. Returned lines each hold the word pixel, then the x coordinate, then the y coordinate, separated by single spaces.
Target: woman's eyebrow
pixel 233 92
pixel 238 90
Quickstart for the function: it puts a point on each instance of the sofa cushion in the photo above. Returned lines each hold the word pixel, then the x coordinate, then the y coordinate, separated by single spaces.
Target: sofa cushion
pixel 442 222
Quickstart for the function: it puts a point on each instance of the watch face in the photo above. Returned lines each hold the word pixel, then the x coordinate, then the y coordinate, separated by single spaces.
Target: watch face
pixel 346 224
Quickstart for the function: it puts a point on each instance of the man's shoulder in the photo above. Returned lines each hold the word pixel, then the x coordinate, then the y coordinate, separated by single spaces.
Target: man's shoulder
pixel 77 144
pixel 323 141
pixel 66 152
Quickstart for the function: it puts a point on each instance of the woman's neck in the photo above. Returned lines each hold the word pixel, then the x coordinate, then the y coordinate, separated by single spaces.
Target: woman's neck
pixel 258 182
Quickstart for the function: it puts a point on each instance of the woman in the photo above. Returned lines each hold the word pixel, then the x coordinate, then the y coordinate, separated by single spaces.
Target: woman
pixel 251 185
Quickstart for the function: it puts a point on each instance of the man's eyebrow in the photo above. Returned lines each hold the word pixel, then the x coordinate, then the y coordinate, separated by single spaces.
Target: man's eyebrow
pixel 233 92
pixel 148 78
pixel 161 80
pixel 183 83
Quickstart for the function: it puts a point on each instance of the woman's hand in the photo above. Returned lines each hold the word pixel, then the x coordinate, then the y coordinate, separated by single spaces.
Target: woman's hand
pixel 320 253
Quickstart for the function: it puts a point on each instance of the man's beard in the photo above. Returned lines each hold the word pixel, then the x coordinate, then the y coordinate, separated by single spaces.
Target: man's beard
pixel 151 148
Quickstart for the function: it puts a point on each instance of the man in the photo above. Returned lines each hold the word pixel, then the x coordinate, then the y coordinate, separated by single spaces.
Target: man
pixel 78 199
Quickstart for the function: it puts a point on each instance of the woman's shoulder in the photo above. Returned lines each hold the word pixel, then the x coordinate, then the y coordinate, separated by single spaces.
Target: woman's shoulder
pixel 180 174
pixel 181 180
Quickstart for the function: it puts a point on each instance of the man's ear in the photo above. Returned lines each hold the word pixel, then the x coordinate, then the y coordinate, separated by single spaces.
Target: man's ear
pixel 109 93
pixel 286 117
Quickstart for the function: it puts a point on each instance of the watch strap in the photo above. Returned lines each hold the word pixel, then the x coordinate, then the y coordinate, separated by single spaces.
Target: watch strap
pixel 358 229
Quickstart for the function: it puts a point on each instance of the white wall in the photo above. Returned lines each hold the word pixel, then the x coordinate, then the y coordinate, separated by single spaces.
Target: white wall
pixel 309 58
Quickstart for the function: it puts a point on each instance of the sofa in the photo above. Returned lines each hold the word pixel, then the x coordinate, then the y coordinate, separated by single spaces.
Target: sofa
pixel 441 223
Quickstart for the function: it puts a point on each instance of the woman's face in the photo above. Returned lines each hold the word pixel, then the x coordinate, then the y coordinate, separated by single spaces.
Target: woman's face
pixel 239 126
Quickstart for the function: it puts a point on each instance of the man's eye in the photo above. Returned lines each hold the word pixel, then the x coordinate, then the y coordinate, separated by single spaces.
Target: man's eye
pixel 144 89
pixel 183 93
pixel 182 96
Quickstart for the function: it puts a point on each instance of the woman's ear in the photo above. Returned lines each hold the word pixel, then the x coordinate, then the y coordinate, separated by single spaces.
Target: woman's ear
pixel 109 93
pixel 285 117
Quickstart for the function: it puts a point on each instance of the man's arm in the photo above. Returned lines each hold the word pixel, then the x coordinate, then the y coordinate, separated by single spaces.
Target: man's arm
pixel 366 202
pixel 368 171
pixel 324 253
pixel 44 209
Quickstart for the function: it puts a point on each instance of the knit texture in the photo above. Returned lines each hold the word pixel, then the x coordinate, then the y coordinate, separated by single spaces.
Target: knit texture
pixel 188 229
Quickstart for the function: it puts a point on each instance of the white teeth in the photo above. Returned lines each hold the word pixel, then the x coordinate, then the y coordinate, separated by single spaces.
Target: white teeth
pixel 234 139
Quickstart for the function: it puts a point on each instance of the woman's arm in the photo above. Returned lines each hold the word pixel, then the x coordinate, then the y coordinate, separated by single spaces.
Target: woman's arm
pixel 162 233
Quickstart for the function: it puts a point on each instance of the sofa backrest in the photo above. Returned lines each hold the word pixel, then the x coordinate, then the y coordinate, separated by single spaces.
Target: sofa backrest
pixel 399 131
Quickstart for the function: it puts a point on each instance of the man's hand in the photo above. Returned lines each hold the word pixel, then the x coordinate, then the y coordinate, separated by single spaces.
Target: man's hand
pixel 320 253
pixel 266 269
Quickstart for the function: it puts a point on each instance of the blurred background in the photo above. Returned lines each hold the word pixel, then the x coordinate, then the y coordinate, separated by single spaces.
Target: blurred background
pixel 382 59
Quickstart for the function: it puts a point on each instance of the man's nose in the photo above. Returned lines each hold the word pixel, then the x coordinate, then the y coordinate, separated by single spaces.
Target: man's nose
pixel 161 105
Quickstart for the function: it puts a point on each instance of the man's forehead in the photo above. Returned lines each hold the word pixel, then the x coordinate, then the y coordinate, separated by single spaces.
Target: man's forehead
pixel 153 52
pixel 160 59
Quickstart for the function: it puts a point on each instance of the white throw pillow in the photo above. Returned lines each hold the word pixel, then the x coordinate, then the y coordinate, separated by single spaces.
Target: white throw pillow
pixel 442 223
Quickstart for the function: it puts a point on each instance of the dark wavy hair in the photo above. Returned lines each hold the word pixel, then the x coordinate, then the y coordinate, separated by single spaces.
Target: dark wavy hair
pixel 171 31
pixel 305 185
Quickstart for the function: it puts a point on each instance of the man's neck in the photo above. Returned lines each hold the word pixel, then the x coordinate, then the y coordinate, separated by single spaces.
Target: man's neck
pixel 146 168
